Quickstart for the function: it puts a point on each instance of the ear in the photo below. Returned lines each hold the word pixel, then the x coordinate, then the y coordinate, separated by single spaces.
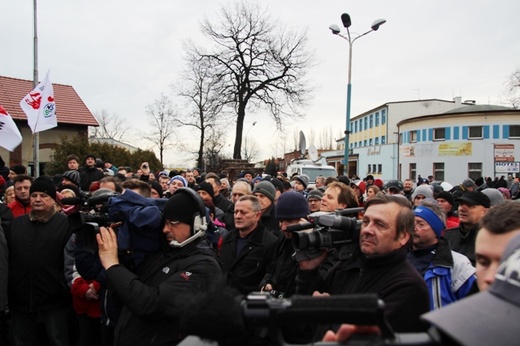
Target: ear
pixel 404 237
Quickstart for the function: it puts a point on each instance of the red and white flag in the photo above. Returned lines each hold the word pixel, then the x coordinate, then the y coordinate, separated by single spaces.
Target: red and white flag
pixel 39 106
pixel 10 136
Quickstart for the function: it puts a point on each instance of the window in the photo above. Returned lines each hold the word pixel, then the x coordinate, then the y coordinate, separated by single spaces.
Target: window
pixel 377 118
pixel 369 166
pixel 370 141
pixel 439 134
pixel 366 123
pixel 514 131
pixel 383 116
pixel 400 138
pixel 374 170
pixel 355 127
pixel 383 140
pixel 475 132
pixel 413 171
pixel 365 143
pixel 371 120
pixel 413 136
pixel 380 169
pixel 377 140
pixel 438 171
pixel 475 170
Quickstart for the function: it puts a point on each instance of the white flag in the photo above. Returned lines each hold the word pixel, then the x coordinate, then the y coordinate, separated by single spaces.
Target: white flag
pixel 39 107
pixel 10 136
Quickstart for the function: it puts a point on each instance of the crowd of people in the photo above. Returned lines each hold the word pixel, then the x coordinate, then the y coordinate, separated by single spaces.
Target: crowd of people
pixel 101 255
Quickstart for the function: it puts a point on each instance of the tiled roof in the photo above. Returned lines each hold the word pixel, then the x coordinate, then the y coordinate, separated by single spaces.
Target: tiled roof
pixel 70 109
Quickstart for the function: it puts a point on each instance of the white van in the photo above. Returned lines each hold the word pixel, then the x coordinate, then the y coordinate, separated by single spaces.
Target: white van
pixel 310 168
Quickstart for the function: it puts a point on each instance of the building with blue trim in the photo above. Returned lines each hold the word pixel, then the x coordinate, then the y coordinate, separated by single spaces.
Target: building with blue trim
pixel 471 141
pixel 451 140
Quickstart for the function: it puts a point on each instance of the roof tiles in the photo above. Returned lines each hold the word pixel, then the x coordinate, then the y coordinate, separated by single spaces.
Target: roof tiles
pixel 70 108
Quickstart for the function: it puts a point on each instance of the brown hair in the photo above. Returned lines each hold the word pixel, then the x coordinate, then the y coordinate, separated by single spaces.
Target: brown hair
pixel 405 218
pixel 503 218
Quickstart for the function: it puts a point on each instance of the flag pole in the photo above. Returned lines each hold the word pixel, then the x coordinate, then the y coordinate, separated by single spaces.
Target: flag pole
pixel 36 136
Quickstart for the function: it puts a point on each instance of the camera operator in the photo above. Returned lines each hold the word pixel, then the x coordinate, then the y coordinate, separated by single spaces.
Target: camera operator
pixel 487 318
pixel 380 266
pixel 151 309
pixel 140 221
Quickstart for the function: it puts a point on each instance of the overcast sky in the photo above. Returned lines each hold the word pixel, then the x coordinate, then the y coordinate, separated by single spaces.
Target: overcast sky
pixel 120 55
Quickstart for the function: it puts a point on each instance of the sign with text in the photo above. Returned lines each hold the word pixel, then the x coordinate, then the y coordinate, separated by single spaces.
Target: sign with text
pixel 507 167
pixel 455 149
pixel 504 152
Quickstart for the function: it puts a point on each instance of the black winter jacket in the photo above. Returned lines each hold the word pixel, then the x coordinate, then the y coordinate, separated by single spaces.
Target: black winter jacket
pixel 36 263
pixel 151 297
pixel 245 271
pixel 391 276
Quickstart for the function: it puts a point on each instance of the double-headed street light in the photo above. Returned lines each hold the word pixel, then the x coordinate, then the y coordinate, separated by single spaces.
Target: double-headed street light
pixel 345 19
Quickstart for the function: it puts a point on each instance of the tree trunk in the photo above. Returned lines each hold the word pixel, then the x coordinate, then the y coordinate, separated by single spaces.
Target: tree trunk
pixel 200 159
pixel 238 138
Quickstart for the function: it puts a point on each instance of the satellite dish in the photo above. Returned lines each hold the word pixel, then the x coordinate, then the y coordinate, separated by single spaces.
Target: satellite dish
pixel 313 153
pixel 303 143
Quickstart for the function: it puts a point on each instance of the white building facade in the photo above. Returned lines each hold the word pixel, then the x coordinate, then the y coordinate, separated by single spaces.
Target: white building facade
pixel 374 137
pixel 471 141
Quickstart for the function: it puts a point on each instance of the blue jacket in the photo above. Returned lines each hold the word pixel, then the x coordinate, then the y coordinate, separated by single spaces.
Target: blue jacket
pixel 449 277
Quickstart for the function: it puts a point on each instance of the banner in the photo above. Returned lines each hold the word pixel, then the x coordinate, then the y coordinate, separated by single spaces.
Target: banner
pixel 40 108
pixel 10 136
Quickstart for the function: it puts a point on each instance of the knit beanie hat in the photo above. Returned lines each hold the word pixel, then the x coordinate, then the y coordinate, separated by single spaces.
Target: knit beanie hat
pixel 156 186
pixel 277 183
pixel 265 188
pixel 425 190
pixel 181 207
pixel 494 195
pixel 304 179
pixel 180 178
pixel 291 205
pixel 18 169
pixel 469 183
pixel 204 186
pixel 45 185
pixel 446 195
pixel 72 176
pixel 314 194
pixel 431 218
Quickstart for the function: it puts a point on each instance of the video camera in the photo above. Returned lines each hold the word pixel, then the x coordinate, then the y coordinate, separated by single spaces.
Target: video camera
pixel 329 230
pixel 93 210
pixel 260 309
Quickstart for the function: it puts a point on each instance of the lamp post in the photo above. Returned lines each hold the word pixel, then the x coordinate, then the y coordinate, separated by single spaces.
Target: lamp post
pixel 345 19
pixel 245 140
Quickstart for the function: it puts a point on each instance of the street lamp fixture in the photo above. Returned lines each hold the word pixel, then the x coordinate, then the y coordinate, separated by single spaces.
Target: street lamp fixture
pixel 345 19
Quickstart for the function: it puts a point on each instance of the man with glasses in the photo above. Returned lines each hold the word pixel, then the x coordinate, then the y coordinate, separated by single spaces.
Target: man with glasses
pixel 150 296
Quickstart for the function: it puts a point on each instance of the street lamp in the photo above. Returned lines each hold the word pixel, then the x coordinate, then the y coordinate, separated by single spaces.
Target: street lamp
pixel 245 139
pixel 345 19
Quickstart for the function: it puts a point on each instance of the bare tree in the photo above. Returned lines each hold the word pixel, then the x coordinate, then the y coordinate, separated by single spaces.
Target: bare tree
pixel 296 139
pixel 512 94
pixel 110 126
pixel 250 149
pixel 326 140
pixel 204 105
pixel 214 146
pixel 256 64
pixel 162 118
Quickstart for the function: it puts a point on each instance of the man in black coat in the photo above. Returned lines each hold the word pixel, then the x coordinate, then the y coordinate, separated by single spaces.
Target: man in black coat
pixel 152 307
pixel 90 171
pixel 248 250
pixel 37 288
pixel 380 266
